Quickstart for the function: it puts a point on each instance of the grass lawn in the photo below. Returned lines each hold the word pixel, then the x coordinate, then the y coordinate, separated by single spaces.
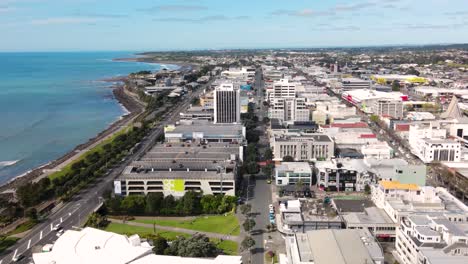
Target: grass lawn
pixel 215 224
pixel 7 242
pixel 97 148
pixel 141 231
pixel 22 228
pixel 227 246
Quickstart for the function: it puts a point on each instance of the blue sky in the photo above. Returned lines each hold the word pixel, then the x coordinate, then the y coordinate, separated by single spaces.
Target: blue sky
pixel 56 25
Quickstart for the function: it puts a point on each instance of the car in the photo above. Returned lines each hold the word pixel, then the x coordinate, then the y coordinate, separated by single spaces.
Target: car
pixel 269 181
pixel 56 227
pixel 272 211
pixel 17 258
pixel 60 233
pixel 270 206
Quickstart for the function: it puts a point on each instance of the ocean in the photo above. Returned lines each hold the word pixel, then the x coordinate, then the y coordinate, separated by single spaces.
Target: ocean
pixel 52 102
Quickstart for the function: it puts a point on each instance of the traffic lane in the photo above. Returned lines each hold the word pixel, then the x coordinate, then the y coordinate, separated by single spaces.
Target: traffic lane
pixel 260 206
pixel 37 235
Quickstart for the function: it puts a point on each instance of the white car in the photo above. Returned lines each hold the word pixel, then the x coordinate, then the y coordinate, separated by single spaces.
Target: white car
pixel 271 206
pixel 272 211
pixel 60 232
pixel 56 227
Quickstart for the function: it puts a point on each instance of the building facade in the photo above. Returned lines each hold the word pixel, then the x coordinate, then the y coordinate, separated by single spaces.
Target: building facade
pixel 289 110
pixel 392 108
pixel 226 104
pixel 303 147
pixel 292 172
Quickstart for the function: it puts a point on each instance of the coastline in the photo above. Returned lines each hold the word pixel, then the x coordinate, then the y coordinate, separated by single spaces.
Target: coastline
pixel 183 65
pixel 131 110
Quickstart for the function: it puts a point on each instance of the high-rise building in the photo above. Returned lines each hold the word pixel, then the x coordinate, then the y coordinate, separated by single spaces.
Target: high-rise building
pixel 226 104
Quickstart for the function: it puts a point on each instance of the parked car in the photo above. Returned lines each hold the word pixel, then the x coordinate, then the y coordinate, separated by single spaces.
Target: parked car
pixel 60 232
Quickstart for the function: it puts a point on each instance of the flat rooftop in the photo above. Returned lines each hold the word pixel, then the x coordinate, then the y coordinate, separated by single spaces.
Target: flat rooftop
pixel 352 206
pixel 200 175
pixel 296 167
pixel 332 246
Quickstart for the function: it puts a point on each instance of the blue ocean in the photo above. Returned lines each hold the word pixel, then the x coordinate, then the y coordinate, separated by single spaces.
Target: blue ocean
pixel 52 102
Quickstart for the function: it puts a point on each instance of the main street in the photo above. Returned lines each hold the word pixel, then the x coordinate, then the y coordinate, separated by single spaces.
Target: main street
pixel 75 212
pixel 259 191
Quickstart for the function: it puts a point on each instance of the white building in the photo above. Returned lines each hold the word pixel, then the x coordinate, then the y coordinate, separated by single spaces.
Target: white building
pixel 428 141
pixel 94 246
pixel 283 89
pixel 226 104
pixel 292 172
pixel 302 147
pixel 330 246
pixel 289 109
pixel 365 99
pixel 392 108
pixel 378 150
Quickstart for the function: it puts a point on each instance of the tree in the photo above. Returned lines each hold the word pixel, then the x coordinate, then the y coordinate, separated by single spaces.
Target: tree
pixel 367 189
pixel 196 246
pixel 299 186
pixel 134 204
pixel 374 118
pixel 251 167
pixel 115 204
pixel 396 86
pixel 267 170
pixel 247 243
pixel 159 244
pixel 154 203
pixel 249 224
pixel 266 120
pixel 32 214
pixel 195 101
pixel 245 209
pixel 268 154
pixel 96 220
pixel 189 204
pixel 210 203
pixel 288 159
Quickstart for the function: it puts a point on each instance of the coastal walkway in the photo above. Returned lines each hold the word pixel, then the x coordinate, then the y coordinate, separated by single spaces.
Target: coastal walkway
pixel 179 230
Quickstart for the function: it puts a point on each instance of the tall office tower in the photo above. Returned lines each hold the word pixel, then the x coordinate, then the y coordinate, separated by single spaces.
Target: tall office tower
pixel 226 104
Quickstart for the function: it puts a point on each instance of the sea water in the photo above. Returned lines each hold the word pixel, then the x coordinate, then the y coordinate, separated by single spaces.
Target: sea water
pixel 52 102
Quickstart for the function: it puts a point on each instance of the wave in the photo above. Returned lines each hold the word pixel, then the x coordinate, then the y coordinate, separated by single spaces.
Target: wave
pixel 8 163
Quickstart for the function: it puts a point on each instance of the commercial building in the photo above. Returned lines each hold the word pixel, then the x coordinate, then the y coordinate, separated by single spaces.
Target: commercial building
pixel 428 141
pixel 168 178
pixel 282 89
pixel 203 131
pixel 292 172
pixel 348 84
pixel 333 175
pixel 378 150
pixel 173 169
pixel 94 246
pixel 366 99
pixel 197 113
pixel 226 104
pixel 332 247
pixel 289 109
pixel 302 146
pixel 391 108
pixel 373 219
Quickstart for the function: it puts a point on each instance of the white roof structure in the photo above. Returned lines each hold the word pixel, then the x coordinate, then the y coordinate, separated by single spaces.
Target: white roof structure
pixel 94 246
pixel 453 111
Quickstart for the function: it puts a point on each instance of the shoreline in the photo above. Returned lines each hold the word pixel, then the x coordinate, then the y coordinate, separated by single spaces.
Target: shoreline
pixel 131 109
pixel 183 65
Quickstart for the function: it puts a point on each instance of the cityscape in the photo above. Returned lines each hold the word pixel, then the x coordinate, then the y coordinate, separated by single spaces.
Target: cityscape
pixel 292 154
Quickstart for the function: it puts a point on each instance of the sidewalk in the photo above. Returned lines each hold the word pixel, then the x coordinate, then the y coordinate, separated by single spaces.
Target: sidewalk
pixel 180 230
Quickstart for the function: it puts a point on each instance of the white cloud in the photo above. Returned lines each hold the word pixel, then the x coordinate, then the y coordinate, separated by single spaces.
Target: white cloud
pixel 64 20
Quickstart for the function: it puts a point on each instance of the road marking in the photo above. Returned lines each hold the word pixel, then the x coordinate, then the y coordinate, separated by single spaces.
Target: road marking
pixel 51 227
pixel 69 214
pixel 29 243
pixel 14 255
pixel 61 219
pixel 40 236
pixel 1 261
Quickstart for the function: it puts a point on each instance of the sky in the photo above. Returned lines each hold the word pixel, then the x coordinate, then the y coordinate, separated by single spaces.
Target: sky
pixel 145 25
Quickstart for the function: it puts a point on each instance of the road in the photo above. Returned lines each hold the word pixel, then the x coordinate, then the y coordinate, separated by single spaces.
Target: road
pixel 258 190
pixel 75 212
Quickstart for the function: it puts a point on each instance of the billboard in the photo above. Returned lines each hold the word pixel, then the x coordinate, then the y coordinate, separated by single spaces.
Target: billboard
pixel 117 187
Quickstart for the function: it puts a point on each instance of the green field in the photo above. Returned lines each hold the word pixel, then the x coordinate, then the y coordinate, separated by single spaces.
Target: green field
pixel 7 242
pixel 97 148
pixel 141 231
pixel 227 246
pixel 214 224
pixel 22 228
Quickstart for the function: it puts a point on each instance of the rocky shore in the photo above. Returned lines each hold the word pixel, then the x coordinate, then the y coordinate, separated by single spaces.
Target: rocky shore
pixel 128 102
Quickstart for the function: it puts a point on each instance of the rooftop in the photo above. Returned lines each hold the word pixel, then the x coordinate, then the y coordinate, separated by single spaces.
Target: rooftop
pixel 296 167
pixel 396 185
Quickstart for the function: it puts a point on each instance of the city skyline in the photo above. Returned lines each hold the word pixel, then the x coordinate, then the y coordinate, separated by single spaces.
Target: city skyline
pixel 83 25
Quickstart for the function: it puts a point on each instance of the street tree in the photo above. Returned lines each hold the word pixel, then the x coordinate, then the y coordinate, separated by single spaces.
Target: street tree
pixel 248 243
pixel 249 224
pixel 246 209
